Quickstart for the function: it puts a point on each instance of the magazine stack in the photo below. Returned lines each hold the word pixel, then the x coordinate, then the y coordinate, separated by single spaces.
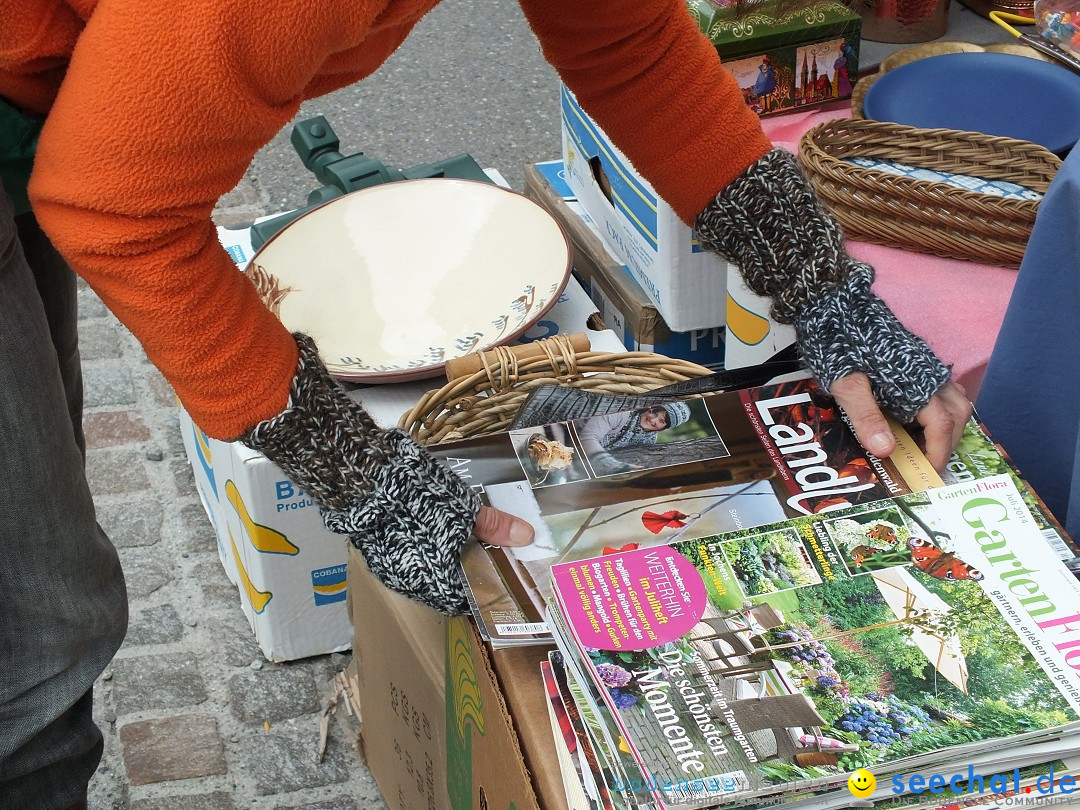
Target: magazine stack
pixel 749 609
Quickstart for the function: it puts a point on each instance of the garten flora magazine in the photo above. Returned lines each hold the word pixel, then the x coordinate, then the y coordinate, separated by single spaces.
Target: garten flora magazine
pixel 613 780
pixel 692 468
pixel 895 635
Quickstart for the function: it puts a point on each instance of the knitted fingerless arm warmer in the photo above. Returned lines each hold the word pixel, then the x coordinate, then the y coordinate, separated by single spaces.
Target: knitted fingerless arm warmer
pixel 769 222
pixel 408 514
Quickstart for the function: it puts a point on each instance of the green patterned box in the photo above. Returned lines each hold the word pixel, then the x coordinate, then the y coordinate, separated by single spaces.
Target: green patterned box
pixel 786 55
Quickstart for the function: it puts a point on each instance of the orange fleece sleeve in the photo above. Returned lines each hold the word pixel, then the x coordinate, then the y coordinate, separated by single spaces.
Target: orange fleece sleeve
pixel 162 108
pixel 654 84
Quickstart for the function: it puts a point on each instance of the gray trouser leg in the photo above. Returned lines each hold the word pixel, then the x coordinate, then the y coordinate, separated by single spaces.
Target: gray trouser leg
pixel 63 606
pixel 56 286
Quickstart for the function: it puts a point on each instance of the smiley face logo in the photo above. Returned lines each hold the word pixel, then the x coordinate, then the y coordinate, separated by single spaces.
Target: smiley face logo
pixel 861 783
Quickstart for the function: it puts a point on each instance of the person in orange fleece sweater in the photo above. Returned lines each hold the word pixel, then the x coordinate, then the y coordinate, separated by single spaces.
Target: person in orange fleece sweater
pixel 143 114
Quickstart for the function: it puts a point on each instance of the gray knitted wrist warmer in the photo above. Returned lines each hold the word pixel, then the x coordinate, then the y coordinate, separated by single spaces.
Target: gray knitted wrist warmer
pixel 408 514
pixel 850 329
pixel 769 222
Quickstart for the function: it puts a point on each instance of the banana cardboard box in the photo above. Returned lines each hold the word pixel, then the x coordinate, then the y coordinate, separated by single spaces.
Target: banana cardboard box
pixel 288 568
pixel 446 722
pixel 753 337
pixel 683 280
pixel 623 305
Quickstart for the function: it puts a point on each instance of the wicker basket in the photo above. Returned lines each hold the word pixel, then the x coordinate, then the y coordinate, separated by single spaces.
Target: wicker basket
pixel 922 215
pixel 487 400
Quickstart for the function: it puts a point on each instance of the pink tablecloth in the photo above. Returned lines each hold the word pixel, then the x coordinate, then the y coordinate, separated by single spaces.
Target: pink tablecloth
pixel 956 306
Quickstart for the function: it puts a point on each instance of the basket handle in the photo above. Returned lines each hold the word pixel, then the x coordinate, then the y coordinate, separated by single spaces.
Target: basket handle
pixel 468 364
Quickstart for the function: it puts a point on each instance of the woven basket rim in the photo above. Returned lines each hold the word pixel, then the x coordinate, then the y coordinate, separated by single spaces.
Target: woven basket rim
pixel 882 207
pixel 889 131
pixel 858 92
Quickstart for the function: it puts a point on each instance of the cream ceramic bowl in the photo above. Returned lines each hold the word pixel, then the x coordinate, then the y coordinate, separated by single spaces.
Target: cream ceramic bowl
pixel 394 280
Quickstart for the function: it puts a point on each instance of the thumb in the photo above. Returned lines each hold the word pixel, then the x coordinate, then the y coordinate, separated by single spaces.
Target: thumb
pixel 501 528
pixel 854 395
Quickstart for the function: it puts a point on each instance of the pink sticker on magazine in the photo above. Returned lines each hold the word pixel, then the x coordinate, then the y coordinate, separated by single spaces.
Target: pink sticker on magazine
pixel 633 599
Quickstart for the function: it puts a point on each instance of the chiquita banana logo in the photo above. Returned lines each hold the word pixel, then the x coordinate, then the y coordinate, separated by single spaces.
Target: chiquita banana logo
pixel 263 538
pixel 464 712
pixel 205 457
pixel 746 326
pixel 258 599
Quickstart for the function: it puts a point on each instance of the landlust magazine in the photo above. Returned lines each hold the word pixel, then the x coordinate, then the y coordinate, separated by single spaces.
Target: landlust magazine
pixel 691 468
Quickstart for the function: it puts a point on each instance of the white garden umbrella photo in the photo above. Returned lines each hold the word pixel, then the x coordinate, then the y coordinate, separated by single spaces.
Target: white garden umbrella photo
pixel 917 608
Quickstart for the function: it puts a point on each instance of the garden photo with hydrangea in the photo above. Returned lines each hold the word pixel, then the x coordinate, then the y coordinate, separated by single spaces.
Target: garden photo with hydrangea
pixel 896 661
pixel 814 666
pixel 878 689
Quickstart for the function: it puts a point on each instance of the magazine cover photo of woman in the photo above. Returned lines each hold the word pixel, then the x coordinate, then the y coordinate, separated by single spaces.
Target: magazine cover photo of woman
pixel 647 438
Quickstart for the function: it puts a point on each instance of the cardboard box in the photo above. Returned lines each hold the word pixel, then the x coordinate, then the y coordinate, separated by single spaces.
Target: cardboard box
pixel 785 55
pixel 447 724
pixel 289 569
pixel 684 282
pixel 622 303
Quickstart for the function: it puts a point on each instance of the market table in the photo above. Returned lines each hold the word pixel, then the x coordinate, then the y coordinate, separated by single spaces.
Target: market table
pixel 509 750
pixel 957 306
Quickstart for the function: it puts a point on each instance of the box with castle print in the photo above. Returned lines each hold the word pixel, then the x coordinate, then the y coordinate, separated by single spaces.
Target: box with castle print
pixel 785 54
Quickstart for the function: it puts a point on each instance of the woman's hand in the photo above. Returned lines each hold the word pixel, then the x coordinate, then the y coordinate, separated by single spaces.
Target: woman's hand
pixel 942 418
pixel 407 513
pixel 770 223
